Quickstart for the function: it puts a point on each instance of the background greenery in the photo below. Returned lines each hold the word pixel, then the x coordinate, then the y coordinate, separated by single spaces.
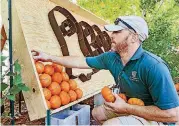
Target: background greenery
pixel 162 17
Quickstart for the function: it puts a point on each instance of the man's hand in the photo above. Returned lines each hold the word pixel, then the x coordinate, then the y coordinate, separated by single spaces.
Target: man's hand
pixel 37 55
pixel 119 106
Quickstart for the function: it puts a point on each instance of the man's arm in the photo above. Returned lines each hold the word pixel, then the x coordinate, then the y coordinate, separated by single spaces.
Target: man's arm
pixel 71 61
pixel 99 62
pixel 154 113
pixel 67 61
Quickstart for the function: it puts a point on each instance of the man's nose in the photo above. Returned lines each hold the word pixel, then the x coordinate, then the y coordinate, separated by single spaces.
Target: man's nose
pixel 112 37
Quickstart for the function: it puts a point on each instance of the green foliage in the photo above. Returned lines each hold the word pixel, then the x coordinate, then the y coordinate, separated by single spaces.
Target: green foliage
pixel 10 92
pixel 163 21
pixel 164 34
pixel 111 9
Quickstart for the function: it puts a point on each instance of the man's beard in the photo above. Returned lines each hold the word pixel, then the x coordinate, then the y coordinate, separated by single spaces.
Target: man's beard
pixel 122 47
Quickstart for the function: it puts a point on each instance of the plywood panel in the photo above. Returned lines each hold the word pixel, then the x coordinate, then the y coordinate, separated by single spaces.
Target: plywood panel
pixel 32 30
pixel 34 99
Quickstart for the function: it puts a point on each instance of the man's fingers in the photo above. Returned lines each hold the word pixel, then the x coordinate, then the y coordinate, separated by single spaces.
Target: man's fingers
pixel 35 53
pixel 116 96
pixel 109 104
pixel 36 57
pixel 108 108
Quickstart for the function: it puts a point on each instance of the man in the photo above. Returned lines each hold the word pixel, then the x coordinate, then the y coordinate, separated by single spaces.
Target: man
pixel 138 74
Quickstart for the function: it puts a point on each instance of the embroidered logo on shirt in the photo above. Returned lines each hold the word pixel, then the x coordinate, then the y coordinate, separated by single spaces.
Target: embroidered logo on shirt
pixel 133 76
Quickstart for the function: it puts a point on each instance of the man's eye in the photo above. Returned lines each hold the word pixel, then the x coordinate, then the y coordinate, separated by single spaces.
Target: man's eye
pixel 116 32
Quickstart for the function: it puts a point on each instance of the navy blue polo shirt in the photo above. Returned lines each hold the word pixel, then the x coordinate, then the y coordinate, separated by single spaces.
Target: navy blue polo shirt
pixel 145 76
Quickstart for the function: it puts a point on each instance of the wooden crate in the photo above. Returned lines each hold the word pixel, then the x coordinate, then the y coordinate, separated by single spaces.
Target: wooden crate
pixel 32 30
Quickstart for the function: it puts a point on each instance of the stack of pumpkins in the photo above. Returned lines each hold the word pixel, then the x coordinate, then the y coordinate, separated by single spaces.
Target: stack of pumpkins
pixel 58 89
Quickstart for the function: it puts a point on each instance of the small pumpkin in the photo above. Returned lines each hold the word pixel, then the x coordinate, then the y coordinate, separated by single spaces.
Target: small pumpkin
pixel 135 101
pixel 107 94
pixel 110 98
pixel 177 86
pixel 123 96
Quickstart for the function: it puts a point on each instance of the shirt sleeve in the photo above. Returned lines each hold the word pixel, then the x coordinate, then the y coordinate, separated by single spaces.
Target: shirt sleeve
pixel 99 62
pixel 161 87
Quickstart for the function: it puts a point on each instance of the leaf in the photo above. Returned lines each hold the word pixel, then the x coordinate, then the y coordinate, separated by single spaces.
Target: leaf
pixel 14 90
pixel 1 101
pixel 2 37
pixel 11 74
pixel 17 79
pixel 3 64
pixel 1 77
pixel 3 86
pixel 3 58
pixel 11 97
pixel 6 115
pixel 17 66
pixel 23 87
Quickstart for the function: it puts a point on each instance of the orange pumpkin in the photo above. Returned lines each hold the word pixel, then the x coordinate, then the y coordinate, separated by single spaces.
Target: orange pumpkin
pixel 45 80
pixel 110 98
pixel 40 67
pixel 135 101
pixel 65 98
pixel 107 94
pixel 177 86
pixel 57 67
pixel 79 93
pixel 48 69
pixel 123 96
pixel 106 91
pixel 65 76
pixel 48 104
pixel 73 84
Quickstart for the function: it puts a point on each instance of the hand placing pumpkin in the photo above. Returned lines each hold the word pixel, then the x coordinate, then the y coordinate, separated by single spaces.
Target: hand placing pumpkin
pixel 109 97
pixel 135 101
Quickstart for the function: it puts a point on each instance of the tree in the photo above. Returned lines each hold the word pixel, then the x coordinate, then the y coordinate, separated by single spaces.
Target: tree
pixel 161 16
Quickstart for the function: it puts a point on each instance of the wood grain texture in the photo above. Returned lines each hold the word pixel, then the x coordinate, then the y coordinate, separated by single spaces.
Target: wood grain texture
pixel 32 30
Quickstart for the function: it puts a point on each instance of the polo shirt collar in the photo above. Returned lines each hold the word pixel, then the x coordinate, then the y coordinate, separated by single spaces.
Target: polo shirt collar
pixel 138 53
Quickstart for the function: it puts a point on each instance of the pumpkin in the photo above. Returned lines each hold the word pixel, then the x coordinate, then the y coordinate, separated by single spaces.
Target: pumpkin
pixel 177 86
pixel 107 94
pixel 123 96
pixel 135 101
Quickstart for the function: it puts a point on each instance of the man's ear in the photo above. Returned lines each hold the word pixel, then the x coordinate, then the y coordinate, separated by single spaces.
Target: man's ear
pixel 134 39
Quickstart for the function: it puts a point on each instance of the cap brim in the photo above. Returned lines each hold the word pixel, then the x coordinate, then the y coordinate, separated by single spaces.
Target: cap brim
pixel 113 27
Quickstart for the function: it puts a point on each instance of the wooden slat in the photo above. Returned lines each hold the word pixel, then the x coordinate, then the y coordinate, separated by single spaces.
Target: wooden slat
pixel 3 37
pixel 34 98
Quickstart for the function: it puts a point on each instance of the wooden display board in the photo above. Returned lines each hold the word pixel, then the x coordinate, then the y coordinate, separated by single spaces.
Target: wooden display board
pixel 56 27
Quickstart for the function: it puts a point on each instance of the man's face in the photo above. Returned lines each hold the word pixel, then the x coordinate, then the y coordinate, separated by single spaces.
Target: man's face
pixel 121 40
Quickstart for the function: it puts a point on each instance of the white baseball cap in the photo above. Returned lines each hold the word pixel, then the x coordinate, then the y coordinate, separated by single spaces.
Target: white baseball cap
pixel 135 23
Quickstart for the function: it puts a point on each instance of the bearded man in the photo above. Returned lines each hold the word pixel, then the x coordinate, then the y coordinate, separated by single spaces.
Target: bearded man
pixel 137 72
